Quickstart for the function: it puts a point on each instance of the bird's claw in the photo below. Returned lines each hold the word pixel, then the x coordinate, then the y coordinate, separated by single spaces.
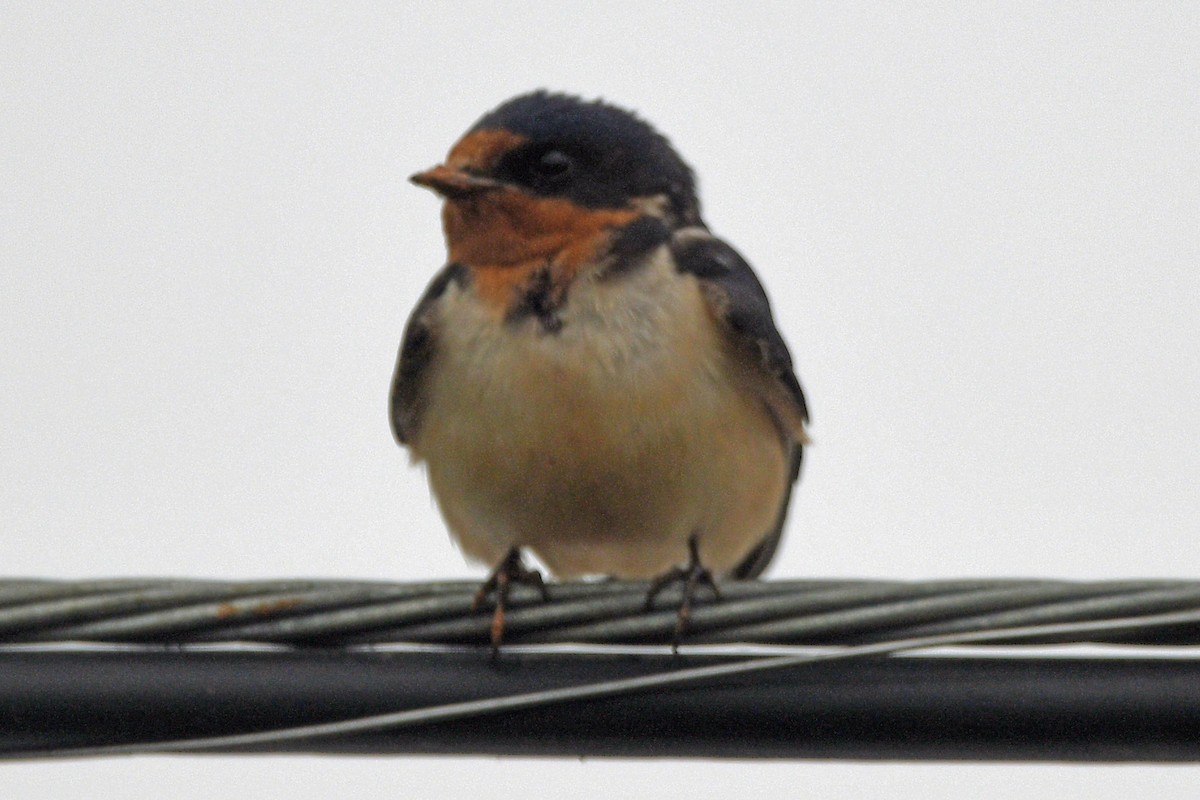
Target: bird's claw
pixel 510 570
pixel 692 576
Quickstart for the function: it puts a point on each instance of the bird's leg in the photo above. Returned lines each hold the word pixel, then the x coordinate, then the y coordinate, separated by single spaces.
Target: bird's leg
pixel 692 576
pixel 510 570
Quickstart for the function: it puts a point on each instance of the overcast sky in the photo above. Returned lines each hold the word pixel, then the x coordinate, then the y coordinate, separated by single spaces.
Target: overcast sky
pixel 977 223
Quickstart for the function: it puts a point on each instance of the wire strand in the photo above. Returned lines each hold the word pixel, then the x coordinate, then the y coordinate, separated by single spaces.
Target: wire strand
pixel 342 613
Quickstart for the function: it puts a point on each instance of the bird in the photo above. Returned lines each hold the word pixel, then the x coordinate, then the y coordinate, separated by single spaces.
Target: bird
pixel 593 376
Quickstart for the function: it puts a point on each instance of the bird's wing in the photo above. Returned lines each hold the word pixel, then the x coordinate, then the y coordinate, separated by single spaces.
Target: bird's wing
pixel 737 300
pixel 416 351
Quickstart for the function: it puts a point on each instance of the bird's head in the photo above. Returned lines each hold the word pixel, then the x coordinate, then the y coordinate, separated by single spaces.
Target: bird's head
pixel 546 173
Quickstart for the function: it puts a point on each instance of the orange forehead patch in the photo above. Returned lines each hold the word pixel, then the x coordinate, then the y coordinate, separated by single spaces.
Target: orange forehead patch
pixel 481 150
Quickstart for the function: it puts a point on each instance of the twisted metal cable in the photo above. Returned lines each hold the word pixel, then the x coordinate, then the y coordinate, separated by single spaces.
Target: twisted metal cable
pixel 811 612
pixel 77 701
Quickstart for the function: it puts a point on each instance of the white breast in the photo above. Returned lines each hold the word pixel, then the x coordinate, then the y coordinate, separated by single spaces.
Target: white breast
pixel 602 446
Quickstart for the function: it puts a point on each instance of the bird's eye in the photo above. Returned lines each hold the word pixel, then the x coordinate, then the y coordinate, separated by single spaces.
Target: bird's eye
pixel 553 164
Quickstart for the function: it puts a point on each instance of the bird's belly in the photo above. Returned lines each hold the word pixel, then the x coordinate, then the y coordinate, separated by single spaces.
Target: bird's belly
pixel 600 448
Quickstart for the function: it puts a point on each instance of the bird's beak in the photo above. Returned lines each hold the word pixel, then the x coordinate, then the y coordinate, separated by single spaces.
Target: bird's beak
pixel 453 183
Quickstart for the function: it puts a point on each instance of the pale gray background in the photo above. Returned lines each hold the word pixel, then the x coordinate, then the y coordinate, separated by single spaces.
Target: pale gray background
pixel 978 225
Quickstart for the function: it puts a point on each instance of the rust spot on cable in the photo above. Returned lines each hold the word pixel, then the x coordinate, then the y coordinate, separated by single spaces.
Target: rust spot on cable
pixel 269 607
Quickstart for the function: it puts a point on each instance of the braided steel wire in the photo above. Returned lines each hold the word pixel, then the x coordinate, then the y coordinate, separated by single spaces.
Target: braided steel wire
pixel 810 612
pixel 78 700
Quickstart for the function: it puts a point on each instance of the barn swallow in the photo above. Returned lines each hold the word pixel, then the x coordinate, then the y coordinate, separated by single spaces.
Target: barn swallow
pixel 593 376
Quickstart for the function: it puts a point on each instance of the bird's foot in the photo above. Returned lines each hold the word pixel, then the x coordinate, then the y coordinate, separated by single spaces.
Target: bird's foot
pixel 510 570
pixel 692 576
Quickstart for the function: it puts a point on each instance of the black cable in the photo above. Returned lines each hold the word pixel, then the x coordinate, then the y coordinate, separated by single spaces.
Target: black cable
pixel 790 706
